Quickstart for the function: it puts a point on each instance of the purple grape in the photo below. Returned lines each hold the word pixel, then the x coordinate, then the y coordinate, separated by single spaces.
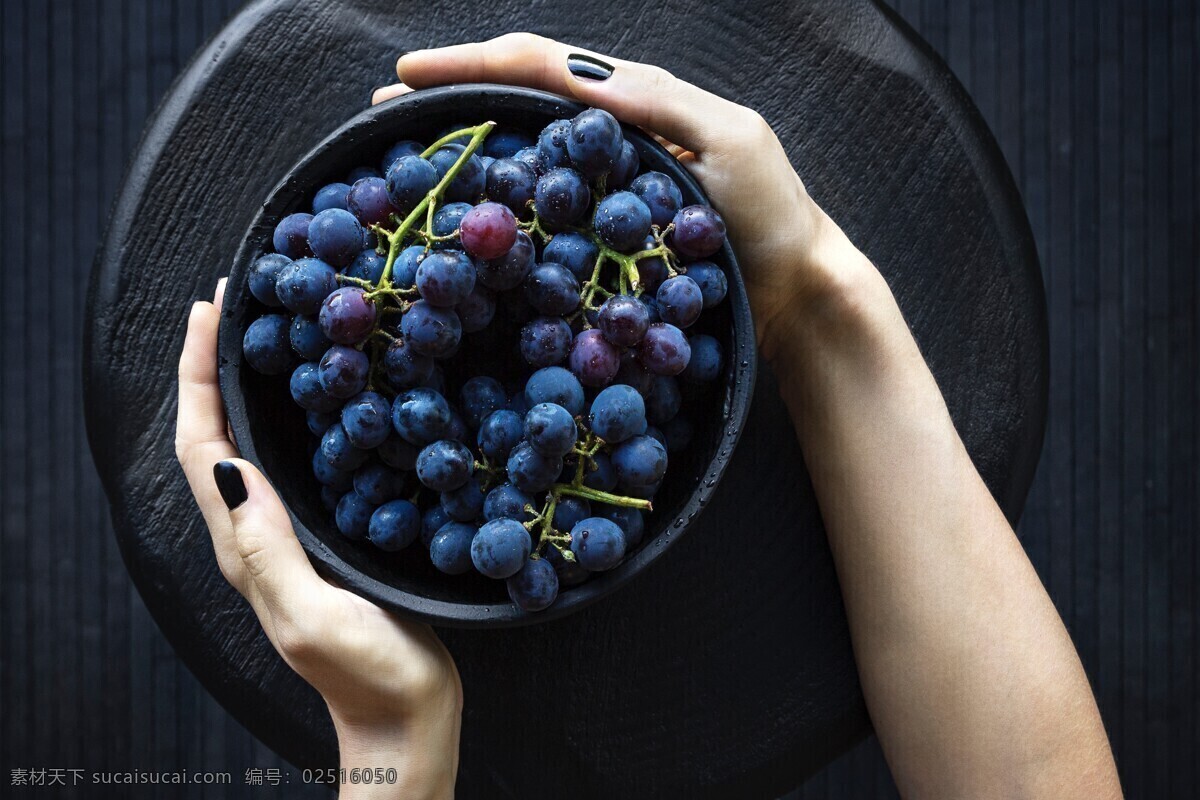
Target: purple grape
pixel 624 169
pixel 623 320
pixel 347 316
pixel 488 230
pixel 508 271
pixel 555 385
pixel 394 525
pixel 569 511
pixel 290 238
pixel 378 483
pixel 368 266
pixel 640 461
pixel 421 416
pixel 663 400
pixel 699 232
pixel 504 142
pixel 530 471
pixel 507 502
pixel 664 350
pixel 343 371
pixel 353 516
pixel 450 548
pixel 680 301
pixel 368 201
pixel 499 433
pixel 447 219
pixel 328 475
pixel 545 341
pixel 532 158
pixel 594 359
pixel 465 503
pixel 550 430
pixel 629 520
pixel 306 389
pixel 404 268
pixel 402 148
pixel 339 451
pixel 618 413
pixel 397 453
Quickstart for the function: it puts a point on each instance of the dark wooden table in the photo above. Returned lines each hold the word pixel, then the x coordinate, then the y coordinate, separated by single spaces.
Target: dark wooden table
pixel 725 670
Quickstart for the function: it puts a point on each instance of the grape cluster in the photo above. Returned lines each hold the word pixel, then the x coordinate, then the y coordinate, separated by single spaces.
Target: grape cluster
pixel 556 248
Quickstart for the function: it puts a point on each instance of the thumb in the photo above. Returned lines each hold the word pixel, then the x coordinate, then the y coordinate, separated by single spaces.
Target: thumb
pixel 280 582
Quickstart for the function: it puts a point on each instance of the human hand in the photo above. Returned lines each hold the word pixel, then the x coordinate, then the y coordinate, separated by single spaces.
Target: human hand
pixel 790 251
pixel 390 685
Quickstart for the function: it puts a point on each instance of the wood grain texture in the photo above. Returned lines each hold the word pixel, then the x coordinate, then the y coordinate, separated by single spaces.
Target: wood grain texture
pixel 88 679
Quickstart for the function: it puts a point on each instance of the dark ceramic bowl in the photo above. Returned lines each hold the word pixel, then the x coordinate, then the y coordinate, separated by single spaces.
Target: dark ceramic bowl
pixel 270 429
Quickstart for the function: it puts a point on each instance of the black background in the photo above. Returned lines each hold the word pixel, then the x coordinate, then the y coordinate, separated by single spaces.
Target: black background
pixel 1094 105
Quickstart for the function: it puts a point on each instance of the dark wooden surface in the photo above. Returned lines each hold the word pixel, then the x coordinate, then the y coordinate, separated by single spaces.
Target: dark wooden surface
pixel 1095 107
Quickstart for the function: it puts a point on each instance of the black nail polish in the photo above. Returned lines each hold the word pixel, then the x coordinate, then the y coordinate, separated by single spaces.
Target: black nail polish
pixel 587 67
pixel 230 483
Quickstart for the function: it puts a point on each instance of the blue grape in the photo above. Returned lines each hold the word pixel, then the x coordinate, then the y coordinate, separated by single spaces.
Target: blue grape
pixel 569 572
pixel 347 316
pixel 550 430
pixel 711 280
pixel 318 422
pixel 505 142
pixel 680 301
pixel 594 142
pixel 367 418
pixel 436 381
pixel 632 373
pixel 464 503
pixel 431 522
pixel 266 345
pixel 618 413
pixel 530 471
pixel 535 586
pixel 512 183
pixel 663 401
pixel 624 169
pixel 445 465
pixel 368 201
pixel 458 428
pixel 500 548
pixel 660 194
pixel 499 433
pixel 290 237
pixel 664 349
pixel 630 520
pixel 561 197
pixel 555 385
pixel 421 416
pixel 264 274
pixel 477 310
pixel 705 364
pixel 545 341
pixel 651 307
pixel 656 434
pixel 599 473
pixel 518 404
pixel 378 483
pixel 409 179
pixel 569 511
pixel 481 396
pixel 431 331
pixel 353 516
pixel 699 232
pixel 446 277
pixel 640 461
pixel 509 270
pixel 306 389
pixel 404 268
pixel 329 475
pixel 338 450
pixel 678 433
pixel 402 148
pixel 331 195
pixel 397 453
pixel 552 144
pixel 532 158
pixel 471 180
pixel 552 289
pixel 304 284
pixel 405 367
pixel 394 525
pixel 598 543
pixel 358 173
pixel 368 266
pixel 450 549
pixel 507 502
pixel 448 217
pixel 623 320
pixel 343 371
pixel 593 359
pixel 575 251
pixel 622 221
pixel 335 237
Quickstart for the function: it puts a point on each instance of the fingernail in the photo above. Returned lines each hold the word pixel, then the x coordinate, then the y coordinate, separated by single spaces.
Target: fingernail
pixel 230 483
pixel 587 67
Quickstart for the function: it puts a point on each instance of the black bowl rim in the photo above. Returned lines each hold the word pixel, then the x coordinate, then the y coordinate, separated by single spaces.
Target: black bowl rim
pixel 743 361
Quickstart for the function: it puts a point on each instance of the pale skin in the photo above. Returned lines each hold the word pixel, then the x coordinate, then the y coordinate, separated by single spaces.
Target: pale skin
pixel 972 682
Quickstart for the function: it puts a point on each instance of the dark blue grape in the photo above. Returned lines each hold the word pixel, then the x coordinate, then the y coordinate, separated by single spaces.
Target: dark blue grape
pixel 499 433
pixel 624 169
pixel 338 450
pixel 329 475
pixel 660 194
pixel 409 179
pixel 705 364
pixel 512 183
pixel 368 266
pixel 561 197
pixel 532 158
pixel 471 180
pixel 699 232
pixel 343 371
pixel 431 522
pixel 266 345
pixel 368 201
pixel 664 349
pixel 530 471
pixel 264 274
pixel 505 142
pixel 622 221
pixel 550 430
pixel 632 373
pixel 552 144
pixel 397 453
pixel 569 572
pixel 421 416
pixel 431 331
pixel 509 270
pixel 402 148
pixel 535 586
pixel 507 502
pixel 405 367
pixel 307 391
pixel 500 548
pixel 318 422
pixel 378 483
pixel 458 430
pixel 394 525
pixel 545 341
pixel 630 520
pixel 555 385
pixel 575 251
pixel 353 516
pixel 448 217
pixel 291 236
pixel 652 307
pixel 599 473
pixel 477 310
pixel 464 503
pixel 640 461
pixel 367 418
pixel 680 301
pixel 598 543
pixel 331 195
pixel 330 497
pixel 663 400
pixel 594 142
pixel 623 320
pixel 481 396
pixel 450 549
pixel 358 173
pixel 569 511
pixel 594 359
pixel 552 289
pixel 446 277
pixel 678 434
pixel 656 434
pixel 305 283
pixel 617 414
pixel 335 237
pixel 711 280
pixel 404 268
pixel 444 466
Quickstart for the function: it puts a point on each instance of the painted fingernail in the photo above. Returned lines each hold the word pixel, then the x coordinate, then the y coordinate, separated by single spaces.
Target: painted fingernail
pixel 230 483
pixel 587 67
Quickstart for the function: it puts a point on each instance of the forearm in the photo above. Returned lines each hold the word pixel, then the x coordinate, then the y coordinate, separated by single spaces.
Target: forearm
pixel 970 677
